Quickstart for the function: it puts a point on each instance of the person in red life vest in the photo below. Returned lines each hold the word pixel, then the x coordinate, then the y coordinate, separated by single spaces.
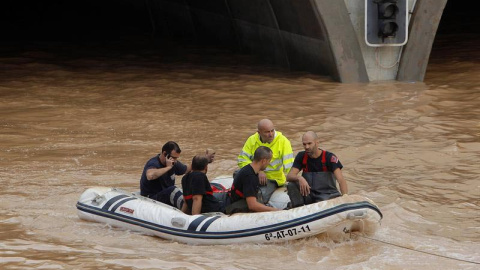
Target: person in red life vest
pixel 197 191
pixel 158 177
pixel 245 187
pixel 320 172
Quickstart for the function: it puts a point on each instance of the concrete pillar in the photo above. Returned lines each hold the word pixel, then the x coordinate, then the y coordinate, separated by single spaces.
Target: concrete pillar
pixel 381 62
pixel 423 27
pixel 344 45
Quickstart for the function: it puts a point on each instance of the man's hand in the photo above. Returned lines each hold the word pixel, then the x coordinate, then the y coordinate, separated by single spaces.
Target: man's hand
pixel 169 162
pixel 304 186
pixel 262 177
pixel 210 153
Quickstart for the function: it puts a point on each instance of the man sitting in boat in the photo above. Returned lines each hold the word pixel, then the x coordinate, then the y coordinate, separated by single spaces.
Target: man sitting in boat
pixel 282 159
pixel 158 176
pixel 245 187
pixel 197 192
pixel 320 169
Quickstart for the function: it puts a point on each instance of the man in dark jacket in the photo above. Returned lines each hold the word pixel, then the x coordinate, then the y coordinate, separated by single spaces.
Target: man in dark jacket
pixel 158 176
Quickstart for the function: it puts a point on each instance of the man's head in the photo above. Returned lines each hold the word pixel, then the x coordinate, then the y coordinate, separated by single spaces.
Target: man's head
pixel 310 143
pixel 171 149
pixel 263 156
pixel 200 163
pixel 266 130
pixel 210 153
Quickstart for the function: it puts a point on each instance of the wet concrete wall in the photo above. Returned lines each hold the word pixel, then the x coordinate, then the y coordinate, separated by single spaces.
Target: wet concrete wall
pixel 319 36
pixel 300 35
pixel 423 27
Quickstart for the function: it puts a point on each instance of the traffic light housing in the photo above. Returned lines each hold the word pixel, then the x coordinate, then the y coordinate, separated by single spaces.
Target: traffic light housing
pixel 386 22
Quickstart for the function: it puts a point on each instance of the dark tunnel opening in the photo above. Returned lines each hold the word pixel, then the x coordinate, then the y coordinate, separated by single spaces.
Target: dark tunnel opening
pixel 458 33
pixel 71 21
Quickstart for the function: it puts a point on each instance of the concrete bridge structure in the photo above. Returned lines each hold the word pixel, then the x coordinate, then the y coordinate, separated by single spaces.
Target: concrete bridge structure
pixel 320 36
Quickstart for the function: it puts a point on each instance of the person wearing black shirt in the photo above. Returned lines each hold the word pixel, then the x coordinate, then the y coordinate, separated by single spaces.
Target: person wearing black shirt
pixel 197 191
pixel 320 172
pixel 245 187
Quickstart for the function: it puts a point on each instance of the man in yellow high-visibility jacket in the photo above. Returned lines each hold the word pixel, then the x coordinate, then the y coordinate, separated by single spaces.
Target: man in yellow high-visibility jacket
pixel 282 160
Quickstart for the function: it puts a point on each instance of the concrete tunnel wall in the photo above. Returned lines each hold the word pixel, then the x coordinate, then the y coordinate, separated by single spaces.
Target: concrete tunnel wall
pixel 314 36
pixel 319 36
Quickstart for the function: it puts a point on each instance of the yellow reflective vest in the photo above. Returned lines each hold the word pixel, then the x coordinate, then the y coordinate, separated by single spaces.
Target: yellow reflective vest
pixel 282 159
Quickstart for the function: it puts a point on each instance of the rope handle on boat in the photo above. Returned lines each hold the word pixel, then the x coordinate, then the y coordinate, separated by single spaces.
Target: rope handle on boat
pixel 421 251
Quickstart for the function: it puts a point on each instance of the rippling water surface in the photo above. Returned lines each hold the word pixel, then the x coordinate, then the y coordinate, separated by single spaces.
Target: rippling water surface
pixel 79 116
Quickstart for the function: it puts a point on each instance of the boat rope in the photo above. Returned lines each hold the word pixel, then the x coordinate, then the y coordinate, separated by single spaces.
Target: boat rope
pixel 421 251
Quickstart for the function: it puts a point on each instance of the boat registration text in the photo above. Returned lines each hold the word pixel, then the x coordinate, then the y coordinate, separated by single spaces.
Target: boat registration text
pixel 286 233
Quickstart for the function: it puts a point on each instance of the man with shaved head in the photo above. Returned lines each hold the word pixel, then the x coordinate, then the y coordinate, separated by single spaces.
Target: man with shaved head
pixel 320 172
pixel 282 160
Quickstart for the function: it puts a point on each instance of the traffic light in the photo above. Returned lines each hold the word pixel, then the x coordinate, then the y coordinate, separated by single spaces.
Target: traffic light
pixel 386 22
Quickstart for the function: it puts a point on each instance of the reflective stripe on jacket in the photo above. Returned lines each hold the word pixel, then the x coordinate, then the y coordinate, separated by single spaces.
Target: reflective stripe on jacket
pixel 282 159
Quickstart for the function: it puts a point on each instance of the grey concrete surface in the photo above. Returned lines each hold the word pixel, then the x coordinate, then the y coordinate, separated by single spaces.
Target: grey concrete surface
pixel 319 36
pixel 423 27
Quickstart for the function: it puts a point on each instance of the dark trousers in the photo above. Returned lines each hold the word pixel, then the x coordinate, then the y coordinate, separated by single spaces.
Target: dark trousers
pixel 267 191
pixel 296 198
pixel 239 206
pixel 172 196
pixel 223 198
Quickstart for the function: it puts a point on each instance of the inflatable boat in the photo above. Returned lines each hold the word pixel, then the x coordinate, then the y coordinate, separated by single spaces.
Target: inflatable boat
pixel 337 217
